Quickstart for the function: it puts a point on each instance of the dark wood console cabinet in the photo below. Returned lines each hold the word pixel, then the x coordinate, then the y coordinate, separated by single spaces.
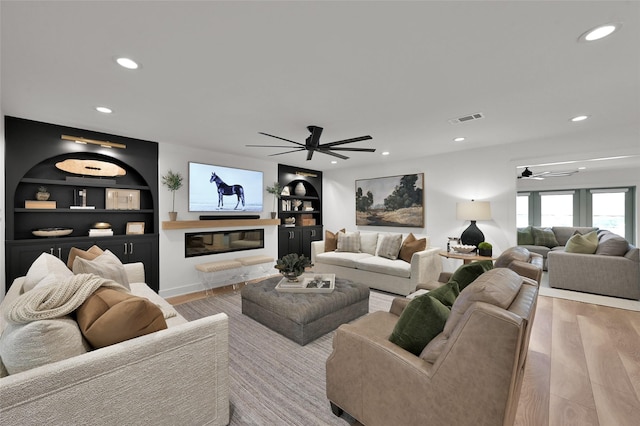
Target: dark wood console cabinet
pixel 32 150
pixel 305 209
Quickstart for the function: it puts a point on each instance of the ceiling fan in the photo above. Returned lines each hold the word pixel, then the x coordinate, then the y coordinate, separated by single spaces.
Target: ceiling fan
pixel 312 144
pixel 528 174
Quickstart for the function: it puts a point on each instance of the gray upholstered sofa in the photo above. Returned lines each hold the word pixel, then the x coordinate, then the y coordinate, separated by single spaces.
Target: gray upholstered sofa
pixel 533 238
pixel 367 267
pixel 174 376
pixel 610 273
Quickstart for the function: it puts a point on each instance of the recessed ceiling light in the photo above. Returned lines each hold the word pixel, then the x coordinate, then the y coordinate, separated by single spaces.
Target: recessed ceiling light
pixel 458 139
pixel 582 168
pixel 127 63
pixel 104 110
pixel 334 162
pixel 599 32
pixel 579 118
pixel 385 153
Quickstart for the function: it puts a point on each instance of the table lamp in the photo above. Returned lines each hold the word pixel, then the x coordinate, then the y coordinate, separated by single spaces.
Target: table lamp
pixel 473 211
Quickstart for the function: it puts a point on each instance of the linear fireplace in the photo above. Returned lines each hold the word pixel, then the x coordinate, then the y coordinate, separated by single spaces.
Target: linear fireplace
pixel 203 243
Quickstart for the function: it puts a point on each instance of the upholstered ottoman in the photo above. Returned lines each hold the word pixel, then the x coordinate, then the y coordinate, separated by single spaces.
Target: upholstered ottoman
pixel 303 317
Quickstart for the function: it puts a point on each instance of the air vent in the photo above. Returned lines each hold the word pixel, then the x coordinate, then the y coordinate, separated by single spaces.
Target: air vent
pixel 470 117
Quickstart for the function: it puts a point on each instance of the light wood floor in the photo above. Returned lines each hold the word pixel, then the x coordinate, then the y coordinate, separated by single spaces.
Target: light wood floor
pixel 583 366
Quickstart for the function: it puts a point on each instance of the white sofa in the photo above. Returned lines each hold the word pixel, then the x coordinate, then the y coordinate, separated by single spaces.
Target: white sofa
pixel 394 276
pixel 174 376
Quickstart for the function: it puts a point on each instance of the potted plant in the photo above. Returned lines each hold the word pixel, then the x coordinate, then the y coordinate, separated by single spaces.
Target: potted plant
pixel 292 265
pixel 485 249
pixel 276 190
pixel 173 182
pixel 42 194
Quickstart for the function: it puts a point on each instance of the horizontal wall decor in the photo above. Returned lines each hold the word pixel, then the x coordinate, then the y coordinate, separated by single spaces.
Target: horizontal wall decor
pixel 391 201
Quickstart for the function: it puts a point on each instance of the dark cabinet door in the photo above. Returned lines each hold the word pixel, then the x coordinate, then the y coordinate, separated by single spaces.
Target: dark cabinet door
pixel 289 241
pixel 309 234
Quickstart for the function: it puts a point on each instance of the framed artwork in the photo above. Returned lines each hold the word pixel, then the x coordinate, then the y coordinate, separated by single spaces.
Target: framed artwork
pixel 134 228
pixel 391 201
pixel 122 199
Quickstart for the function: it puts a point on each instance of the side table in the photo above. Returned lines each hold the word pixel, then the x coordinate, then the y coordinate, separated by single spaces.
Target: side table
pixel 466 258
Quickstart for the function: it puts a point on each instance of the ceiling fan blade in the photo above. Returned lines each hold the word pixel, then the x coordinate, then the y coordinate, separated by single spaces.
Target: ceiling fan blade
pixel 278 137
pixel 354 149
pixel 324 151
pixel 342 142
pixel 313 140
pixel 310 154
pixel 287 152
pixel 271 146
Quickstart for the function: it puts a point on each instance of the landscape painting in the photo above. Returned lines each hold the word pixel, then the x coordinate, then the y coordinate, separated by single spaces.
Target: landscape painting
pixel 391 201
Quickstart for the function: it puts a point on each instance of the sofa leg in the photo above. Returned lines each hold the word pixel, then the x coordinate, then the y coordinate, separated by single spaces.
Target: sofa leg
pixel 336 410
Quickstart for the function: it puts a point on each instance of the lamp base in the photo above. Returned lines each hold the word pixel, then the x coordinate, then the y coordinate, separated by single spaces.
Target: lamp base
pixel 472 235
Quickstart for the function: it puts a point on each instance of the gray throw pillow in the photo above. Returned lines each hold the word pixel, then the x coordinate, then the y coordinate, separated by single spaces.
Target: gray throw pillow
pixel 390 245
pixel 611 244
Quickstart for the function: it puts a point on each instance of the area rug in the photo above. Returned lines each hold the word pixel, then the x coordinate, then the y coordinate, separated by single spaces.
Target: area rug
pixel 273 380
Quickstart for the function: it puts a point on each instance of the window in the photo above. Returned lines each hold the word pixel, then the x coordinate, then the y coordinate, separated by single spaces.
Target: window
pixel 608 210
pixel 556 209
pixel 522 210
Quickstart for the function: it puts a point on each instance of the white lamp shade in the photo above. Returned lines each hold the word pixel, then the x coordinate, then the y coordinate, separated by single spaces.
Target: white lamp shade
pixel 473 210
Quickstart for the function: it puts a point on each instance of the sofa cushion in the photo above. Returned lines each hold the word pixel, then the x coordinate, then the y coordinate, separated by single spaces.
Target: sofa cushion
pixel 349 242
pixel 46 269
pixel 466 274
pixel 611 244
pixel 109 316
pixel 382 265
pixel 30 345
pixel 345 259
pixel 509 255
pixel 585 244
pixel 411 245
pixel 563 233
pixel 368 242
pixel 90 254
pixel 389 245
pixel 107 265
pixel 331 240
pixel 544 237
pixel 525 236
pixel 421 320
pixel 446 293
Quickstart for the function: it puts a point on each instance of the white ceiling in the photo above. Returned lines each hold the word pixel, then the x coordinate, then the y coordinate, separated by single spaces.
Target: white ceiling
pixel 214 74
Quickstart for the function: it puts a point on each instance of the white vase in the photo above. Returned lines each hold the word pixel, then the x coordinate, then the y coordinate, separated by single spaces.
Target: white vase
pixel 299 189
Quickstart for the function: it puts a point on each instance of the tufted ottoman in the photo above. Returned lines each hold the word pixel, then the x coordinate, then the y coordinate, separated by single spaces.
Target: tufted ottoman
pixel 303 317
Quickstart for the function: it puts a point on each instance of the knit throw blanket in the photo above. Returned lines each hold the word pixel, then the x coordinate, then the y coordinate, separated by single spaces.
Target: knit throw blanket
pixel 60 299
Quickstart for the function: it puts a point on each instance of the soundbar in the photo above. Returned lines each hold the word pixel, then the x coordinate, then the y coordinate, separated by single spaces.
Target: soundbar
pixel 230 216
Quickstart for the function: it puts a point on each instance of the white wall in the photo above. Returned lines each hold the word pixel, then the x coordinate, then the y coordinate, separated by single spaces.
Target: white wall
pixel 177 273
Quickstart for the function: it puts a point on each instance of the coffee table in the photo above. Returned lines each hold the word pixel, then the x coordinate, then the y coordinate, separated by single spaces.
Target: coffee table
pixel 303 317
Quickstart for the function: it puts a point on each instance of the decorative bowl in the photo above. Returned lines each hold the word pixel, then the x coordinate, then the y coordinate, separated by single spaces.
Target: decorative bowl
pixel 52 232
pixel 101 225
pixel 463 248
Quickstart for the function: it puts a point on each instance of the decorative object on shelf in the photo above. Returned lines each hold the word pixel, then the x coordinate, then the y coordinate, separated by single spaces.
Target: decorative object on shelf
pixel 296 205
pixel 300 190
pixel 290 221
pixel 292 265
pixel 173 182
pixel 52 232
pixel 122 199
pixel 135 228
pixel 33 204
pixel 42 194
pixel 285 191
pixel 391 201
pixel 473 211
pixel 101 225
pixel 485 249
pixel 90 168
pixel 276 190
pixel 463 248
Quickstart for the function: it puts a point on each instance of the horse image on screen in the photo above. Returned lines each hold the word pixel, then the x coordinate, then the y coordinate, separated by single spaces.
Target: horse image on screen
pixel 217 188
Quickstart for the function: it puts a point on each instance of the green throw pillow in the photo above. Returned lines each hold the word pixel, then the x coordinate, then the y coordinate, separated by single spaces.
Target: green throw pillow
pixel 446 293
pixel 466 274
pixel 525 237
pixel 585 244
pixel 544 237
pixel 422 320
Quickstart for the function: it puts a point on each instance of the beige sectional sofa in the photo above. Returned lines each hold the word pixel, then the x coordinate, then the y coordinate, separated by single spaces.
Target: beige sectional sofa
pixel 366 266
pixel 533 238
pixel 174 376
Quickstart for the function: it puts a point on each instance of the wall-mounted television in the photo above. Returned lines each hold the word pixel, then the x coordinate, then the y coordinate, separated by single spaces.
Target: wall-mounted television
pixel 224 189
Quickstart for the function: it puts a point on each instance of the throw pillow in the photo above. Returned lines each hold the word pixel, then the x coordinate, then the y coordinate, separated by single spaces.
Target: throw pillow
pixel 93 252
pixel 411 245
pixel 611 244
pixel 36 343
pixel 349 242
pixel 466 274
pixel 525 237
pixel 109 316
pixel 544 237
pixel 107 266
pixel 585 244
pixel 45 266
pixel 368 242
pixel 422 320
pixel 390 245
pixel 446 293
pixel 331 240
